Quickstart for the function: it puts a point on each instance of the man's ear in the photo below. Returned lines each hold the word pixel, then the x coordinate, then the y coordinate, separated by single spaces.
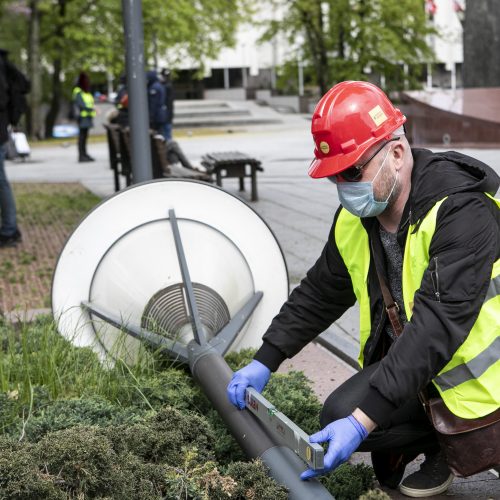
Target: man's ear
pixel 399 153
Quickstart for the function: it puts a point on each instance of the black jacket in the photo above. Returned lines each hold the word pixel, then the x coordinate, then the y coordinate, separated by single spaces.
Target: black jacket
pixel 466 242
pixel 156 101
pixel 4 99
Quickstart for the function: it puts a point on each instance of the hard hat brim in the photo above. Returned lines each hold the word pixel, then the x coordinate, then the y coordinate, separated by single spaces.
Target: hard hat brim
pixel 333 165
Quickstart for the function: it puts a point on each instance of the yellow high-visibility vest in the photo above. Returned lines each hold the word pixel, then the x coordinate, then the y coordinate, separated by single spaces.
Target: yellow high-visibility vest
pixel 468 383
pixel 88 100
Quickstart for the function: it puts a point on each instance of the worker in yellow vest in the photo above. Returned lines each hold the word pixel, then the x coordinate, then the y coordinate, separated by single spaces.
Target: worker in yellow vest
pixel 83 103
pixel 426 225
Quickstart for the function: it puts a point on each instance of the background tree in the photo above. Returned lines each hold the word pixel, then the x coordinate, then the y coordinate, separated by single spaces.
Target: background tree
pixel 353 39
pixel 482 44
pixel 77 35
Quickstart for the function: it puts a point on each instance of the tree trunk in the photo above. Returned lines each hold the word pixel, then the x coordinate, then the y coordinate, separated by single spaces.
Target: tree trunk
pixel 55 102
pixel 34 118
pixel 482 44
pixel 315 39
pixel 323 73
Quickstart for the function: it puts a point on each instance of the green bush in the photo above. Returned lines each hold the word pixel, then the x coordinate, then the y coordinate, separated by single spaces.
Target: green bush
pixel 83 461
pixel 376 494
pixel 63 414
pixel 348 482
pixel 164 437
pixel 292 394
pixel 254 483
pixel 21 478
pixel 166 456
pixel 123 432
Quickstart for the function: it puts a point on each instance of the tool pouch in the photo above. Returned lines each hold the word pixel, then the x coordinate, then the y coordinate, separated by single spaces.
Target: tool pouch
pixel 470 445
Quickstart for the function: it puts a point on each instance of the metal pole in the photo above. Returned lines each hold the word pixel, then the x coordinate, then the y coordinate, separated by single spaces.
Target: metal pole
pixel 213 374
pixel 136 85
pixel 301 78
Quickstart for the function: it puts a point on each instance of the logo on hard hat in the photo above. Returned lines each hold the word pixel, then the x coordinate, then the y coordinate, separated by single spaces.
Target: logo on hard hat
pixel 377 115
pixel 324 147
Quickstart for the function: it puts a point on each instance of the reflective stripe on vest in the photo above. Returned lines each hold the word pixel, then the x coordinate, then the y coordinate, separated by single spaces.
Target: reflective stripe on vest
pixel 352 242
pixel 88 100
pixel 468 383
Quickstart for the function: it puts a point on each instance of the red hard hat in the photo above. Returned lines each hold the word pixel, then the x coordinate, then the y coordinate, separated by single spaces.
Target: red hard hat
pixel 349 119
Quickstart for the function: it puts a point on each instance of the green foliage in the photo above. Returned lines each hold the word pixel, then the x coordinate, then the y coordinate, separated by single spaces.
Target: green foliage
pixel 63 414
pixel 254 482
pixel 20 476
pixel 130 432
pixel 125 462
pixel 237 360
pixel 173 387
pixel 164 437
pixel 226 449
pixel 348 482
pixel 88 34
pixel 84 459
pixel 49 206
pixel 292 394
pixel 354 39
pixel 376 494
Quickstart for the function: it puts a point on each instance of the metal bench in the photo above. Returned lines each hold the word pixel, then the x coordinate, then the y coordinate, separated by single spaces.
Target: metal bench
pixel 233 164
pixel 119 153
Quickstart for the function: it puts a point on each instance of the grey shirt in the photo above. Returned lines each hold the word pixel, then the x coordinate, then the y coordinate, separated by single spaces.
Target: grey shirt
pixel 394 260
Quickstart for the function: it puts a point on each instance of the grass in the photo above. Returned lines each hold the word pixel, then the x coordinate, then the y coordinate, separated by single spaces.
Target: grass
pixel 179 133
pixel 62 205
pixel 34 355
pixel 67 412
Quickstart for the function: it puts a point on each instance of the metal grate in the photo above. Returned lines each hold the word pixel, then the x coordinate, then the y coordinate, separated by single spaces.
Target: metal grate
pixel 166 312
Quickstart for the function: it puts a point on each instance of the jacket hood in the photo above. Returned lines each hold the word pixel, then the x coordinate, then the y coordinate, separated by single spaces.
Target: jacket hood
pixel 151 77
pixel 436 175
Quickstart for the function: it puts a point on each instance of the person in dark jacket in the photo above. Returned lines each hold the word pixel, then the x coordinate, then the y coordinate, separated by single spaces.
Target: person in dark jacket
pixel 9 232
pixel 156 102
pixel 83 100
pixel 169 103
pixel 428 224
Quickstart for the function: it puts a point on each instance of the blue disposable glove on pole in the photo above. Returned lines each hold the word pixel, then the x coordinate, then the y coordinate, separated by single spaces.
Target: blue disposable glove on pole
pixel 343 436
pixel 255 374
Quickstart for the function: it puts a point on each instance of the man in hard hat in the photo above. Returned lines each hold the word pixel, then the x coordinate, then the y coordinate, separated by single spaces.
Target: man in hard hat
pixel 428 225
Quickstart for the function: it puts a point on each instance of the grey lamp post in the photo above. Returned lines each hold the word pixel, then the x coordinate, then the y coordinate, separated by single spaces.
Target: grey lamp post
pixel 136 85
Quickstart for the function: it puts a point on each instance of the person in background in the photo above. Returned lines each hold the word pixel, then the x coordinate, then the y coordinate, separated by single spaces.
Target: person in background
pixel 423 228
pixel 156 103
pixel 9 113
pixel 84 104
pixel 122 90
pixel 169 102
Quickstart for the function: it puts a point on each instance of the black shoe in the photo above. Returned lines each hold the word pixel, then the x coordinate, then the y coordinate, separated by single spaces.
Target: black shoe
pixel 433 478
pixel 11 240
pixel 84 159
pixel 89 158
pixel 389 466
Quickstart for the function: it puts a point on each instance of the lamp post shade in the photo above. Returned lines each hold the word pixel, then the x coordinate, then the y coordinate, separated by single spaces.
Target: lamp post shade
pixel 122 259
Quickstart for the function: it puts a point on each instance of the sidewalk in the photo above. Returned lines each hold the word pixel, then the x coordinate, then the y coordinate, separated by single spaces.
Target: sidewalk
pixel 299 210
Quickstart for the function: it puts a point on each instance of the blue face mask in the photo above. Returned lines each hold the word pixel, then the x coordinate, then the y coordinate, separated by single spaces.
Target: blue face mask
pixel 358 197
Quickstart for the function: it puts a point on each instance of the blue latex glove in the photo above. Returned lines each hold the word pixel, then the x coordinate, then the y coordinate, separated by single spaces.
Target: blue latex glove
pixel 344 436
pixel 255 374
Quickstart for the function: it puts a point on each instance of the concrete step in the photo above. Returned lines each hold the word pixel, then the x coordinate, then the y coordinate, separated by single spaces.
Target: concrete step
pixel 222 121
pixel 209 112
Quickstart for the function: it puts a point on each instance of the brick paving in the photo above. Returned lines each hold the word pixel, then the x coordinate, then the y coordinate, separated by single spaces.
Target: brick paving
pixel 26 270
